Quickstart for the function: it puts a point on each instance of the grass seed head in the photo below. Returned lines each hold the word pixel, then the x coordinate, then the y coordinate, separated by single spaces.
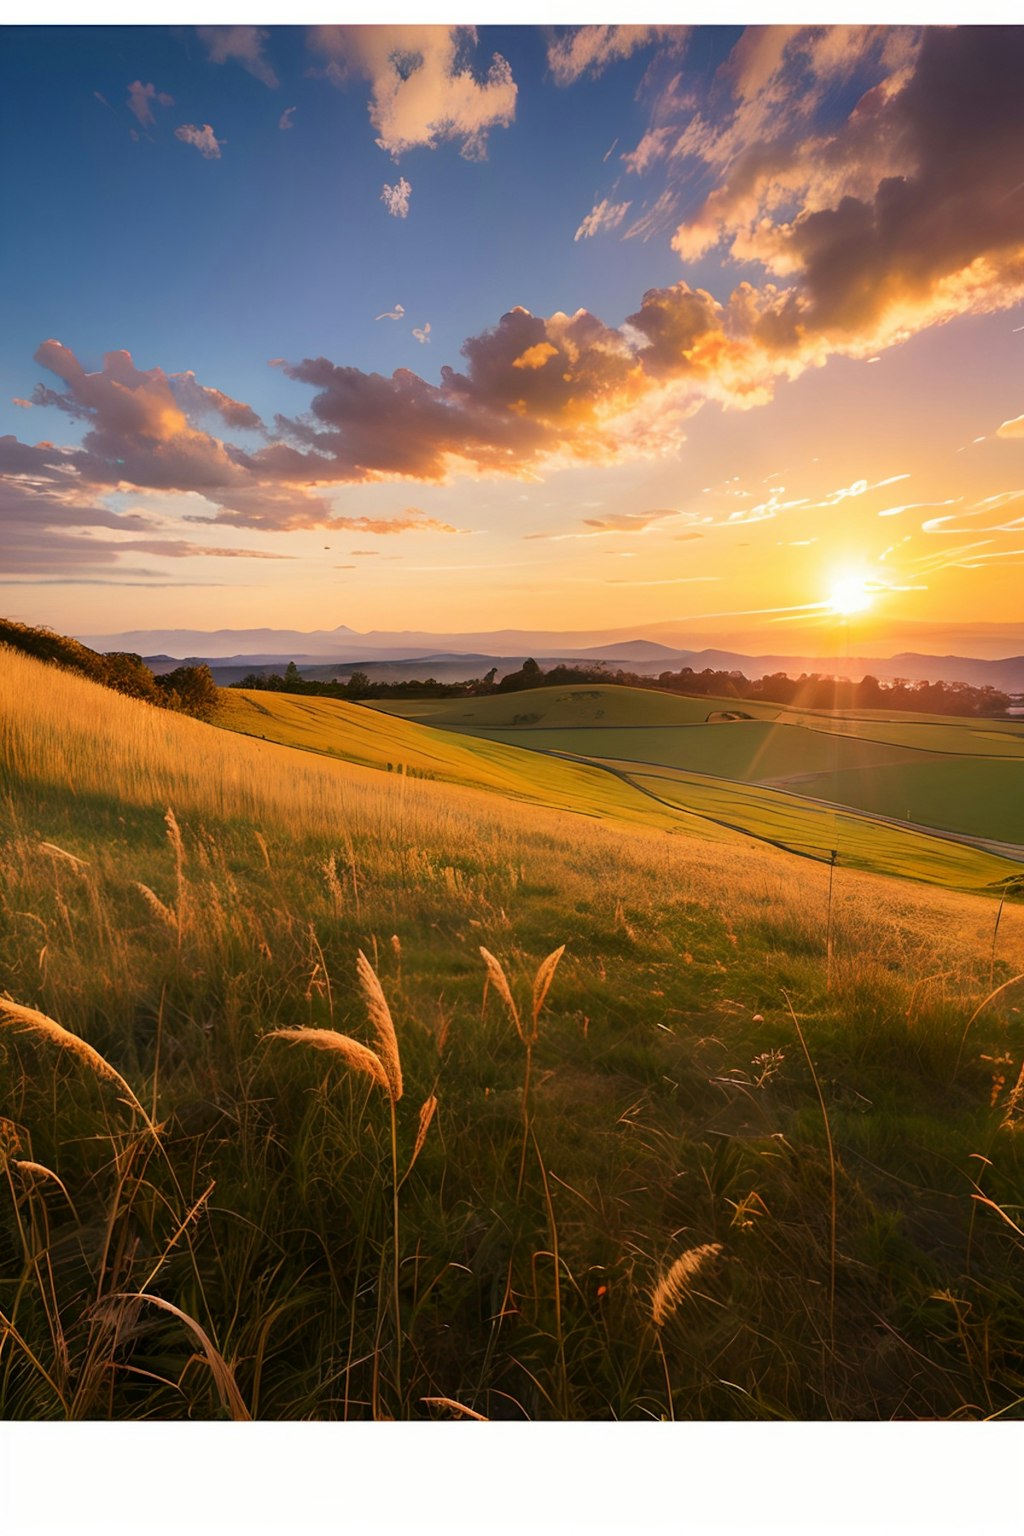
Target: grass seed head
pixel 31 1021
pixel 380 1018
pixel 676 1284
pixel 499 981
pixel 542 982
pixel 427 1109
pixel 354 1054
pixel 155 905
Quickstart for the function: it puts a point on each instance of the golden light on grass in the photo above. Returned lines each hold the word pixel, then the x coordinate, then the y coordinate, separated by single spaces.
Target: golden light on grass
pixel 352 1052
pixel 31 1021
pixel 380 1018
pixel 676 1284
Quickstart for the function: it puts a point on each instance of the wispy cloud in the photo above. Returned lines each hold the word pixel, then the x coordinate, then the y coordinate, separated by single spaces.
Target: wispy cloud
pixel 242 45
pixel 858 488
pixel 141 98
pixel 914 506
pixel 590 50
pixel 656 219
pixel 287 118
pixel 422 332
pixel 397 313
pixel 603 215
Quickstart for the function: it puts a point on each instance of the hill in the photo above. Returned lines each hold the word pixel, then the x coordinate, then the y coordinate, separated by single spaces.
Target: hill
pixel 796 777
pixel 775 1078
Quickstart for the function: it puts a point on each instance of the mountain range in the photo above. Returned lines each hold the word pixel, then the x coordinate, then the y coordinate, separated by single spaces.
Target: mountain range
pixel 397 655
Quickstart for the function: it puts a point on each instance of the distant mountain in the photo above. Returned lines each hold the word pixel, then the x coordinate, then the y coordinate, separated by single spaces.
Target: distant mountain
pixel 1007 674
pixel 452 656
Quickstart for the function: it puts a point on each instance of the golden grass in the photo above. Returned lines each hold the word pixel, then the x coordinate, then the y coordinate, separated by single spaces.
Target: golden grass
pixel 380 1018
pixel 63 732
pixel 499 981
pixel 676 1284
pixel 31 1021
pixel 343 853
pixel 352 1052
pixel 223 1376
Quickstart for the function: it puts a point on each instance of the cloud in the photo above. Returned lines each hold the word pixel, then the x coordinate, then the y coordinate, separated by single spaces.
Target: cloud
pixel 1014 428
pixel 536 356
pixel 848 274
pixel 140 98
pixel 423 89
pixel 907 213
pixel 285 121
pixel 204 139
pixel 625 522
pixel 656 219
pixel 411 521
pixel 603 215
pixel 631 522
pixel 139 431
pixel 397 313
pixel 396 198
pixel 245 46
pixel 913 506
pixel 51 523
pixel 589 50
pixel 1003 513
pixel 198 400
pixel 422 332
pixel 858 488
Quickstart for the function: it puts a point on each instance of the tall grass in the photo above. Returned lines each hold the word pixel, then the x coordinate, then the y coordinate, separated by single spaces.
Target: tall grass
pixel 225 1227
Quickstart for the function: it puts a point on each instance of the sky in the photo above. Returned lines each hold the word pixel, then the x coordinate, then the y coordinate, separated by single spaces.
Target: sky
pixel 580 328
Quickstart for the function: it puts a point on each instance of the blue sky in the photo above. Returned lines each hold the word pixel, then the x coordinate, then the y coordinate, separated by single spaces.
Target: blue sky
pixel 763 325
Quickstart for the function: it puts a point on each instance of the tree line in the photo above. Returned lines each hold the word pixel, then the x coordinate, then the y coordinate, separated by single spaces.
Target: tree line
pixel 188 690
pixel 812 690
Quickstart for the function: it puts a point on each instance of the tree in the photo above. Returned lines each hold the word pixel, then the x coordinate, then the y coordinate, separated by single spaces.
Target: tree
pixel 358 686
pixel 191 690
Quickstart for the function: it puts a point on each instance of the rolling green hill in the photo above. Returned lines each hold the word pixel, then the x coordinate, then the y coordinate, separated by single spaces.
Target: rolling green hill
pixel 610 1049
pixel 601 774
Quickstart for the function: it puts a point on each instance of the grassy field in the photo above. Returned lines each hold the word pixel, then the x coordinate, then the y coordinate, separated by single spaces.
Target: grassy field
pixel 960 776
pixel 611 785
pixel 748 1148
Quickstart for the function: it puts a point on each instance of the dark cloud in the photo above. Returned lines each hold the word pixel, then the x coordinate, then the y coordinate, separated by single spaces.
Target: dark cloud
pixel 907 212
pixel 962 117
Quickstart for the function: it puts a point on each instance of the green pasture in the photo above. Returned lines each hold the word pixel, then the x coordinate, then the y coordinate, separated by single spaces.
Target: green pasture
pixel 943 774
pixel 752 750
pixel 804 827
pixel 597 704
pixel 376 740
pixel 602 779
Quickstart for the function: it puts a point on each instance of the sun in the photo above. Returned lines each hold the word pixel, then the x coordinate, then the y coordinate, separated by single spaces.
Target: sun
pixel 852 593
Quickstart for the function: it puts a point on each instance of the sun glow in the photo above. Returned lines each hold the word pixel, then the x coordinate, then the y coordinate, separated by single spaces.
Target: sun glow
pixel 851 593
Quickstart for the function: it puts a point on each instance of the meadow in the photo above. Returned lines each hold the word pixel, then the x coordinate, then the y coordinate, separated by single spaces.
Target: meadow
pixel 628 771
pixel 490 1085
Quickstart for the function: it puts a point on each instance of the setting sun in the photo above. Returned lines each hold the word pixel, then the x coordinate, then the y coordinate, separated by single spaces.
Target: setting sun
pixel 851 594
